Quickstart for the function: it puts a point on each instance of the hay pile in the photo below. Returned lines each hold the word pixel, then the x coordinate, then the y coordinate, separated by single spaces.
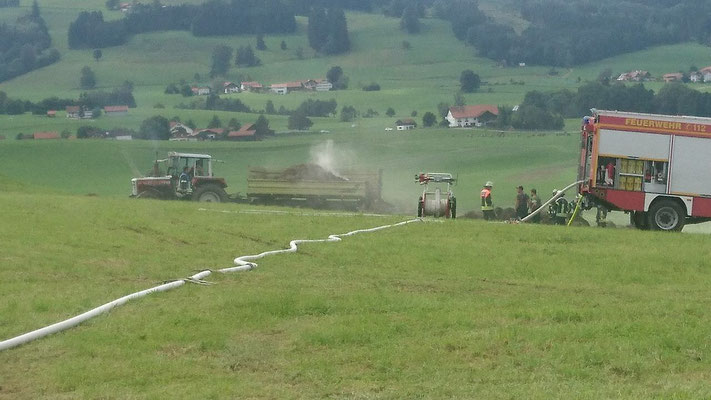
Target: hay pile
pixel 300 172
pixel 309 172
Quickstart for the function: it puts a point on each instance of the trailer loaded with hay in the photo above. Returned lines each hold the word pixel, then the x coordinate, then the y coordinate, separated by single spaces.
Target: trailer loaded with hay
pixel 313 186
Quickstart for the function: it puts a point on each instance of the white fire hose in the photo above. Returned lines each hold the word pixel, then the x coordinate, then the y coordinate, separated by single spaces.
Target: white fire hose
pixel 241 264
pixel 435 205
pixel 552 199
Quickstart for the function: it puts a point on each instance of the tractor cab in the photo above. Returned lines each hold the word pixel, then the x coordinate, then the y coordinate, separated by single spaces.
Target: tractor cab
pixel 187 170
pixel 182 176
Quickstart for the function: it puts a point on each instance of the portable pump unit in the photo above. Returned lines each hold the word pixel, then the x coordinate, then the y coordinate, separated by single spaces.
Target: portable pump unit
pixel 437 202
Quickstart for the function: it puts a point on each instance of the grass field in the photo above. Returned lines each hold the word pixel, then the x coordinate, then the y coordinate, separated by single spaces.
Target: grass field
pixel 542 160
pixel 460 309
pixel 439 309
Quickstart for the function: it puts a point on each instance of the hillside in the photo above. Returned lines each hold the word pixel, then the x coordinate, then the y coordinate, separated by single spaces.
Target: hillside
pixel 457 309
pixel 411 80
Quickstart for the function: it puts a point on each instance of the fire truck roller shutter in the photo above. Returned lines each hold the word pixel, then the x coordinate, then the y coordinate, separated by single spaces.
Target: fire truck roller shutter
pixel 691 166
pixel 634 144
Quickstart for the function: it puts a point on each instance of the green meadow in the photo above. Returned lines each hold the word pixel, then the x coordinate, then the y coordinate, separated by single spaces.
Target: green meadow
pixel 453 309
pixel 434 309
pixel 545 160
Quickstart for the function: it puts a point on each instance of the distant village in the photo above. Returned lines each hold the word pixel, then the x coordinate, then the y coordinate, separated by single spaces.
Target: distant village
pixel 457 117
pixel 702 75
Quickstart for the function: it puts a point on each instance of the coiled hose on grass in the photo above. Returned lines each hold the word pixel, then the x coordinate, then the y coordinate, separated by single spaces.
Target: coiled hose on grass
pixel 243 263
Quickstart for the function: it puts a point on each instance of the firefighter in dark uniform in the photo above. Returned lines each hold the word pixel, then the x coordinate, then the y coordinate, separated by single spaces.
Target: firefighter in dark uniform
pixel 487 206
pixel 559 209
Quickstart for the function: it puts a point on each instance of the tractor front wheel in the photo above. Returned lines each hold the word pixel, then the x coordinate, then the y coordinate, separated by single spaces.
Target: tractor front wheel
pixel 210 194
pixel 419 207
pixel 453 207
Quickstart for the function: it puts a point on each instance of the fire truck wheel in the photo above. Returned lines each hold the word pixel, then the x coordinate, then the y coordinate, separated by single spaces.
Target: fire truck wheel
pixel 639 220
pixel 666 215
pixel 419 207
pixel 149 194
pixel 210 193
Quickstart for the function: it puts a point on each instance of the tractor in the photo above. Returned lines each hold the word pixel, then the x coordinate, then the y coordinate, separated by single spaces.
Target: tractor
pixel 436 203
pixel 182 176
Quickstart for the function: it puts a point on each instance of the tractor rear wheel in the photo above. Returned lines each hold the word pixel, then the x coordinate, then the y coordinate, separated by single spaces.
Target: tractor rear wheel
pixel 639 220
pixel 149 194
pixel 666 215
pixel 453 207
pixel 210 193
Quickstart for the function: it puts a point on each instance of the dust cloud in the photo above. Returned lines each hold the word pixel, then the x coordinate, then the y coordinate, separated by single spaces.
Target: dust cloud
pixel 332 159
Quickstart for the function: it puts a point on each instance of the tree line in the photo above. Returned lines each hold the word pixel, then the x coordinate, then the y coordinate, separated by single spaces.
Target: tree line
pixel 25 45
pixel 566 33
pixel 90 100
pixel 546 110
pixel 213 18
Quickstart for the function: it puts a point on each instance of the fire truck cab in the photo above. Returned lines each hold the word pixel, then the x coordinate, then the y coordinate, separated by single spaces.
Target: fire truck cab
pixel 657 168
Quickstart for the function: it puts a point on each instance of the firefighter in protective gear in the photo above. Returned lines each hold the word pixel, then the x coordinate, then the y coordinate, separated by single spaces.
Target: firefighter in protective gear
pixel 559 209
pixel 487 206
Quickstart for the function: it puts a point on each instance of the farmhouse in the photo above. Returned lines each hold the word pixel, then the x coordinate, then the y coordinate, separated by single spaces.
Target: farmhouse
pixel 201 90
pixel 230 87
pixel 79 112
pixel 284 88
pixel 251 87
pixel 115 110
pixel 319 85
pixel 73 111
pixel 405 124
pixel 673 77
pixel 247 132
pixel 636 75
pixel 476 115
pixel 706 74
pixel 45 135
pixel 177 129
pixel 209 133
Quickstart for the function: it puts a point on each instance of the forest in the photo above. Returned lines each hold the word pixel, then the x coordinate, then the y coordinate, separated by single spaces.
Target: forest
pixel 567 33
pixel 25 45
pixel 213 18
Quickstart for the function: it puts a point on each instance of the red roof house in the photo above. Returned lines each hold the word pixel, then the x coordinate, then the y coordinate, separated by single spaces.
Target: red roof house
pixel 116 110
pixel 251 86
pixel 476 115
pixel 45 135
pixel 247 132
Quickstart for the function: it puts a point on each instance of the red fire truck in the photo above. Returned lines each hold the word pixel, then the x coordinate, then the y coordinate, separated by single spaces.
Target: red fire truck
pixel 655 167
